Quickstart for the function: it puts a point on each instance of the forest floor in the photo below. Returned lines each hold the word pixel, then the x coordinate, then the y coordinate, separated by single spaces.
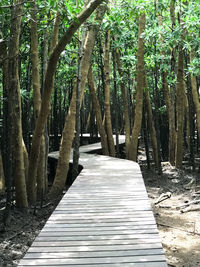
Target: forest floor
pixel 177 220
pixel 179 229
pixel 22 229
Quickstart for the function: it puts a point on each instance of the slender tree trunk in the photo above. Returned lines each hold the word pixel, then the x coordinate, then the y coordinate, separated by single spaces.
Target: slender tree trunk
pixel 26 110
pixel 88 118
pixel 46 134
pixel 180 109
pixel 6 140
pixel 65 148
pixel 152 127
pixel 2 177
pixel 195 97
pixel 97 111
pixel 36 98
pixel 89 44
pixel 47 90
pixel 35 61
pixel 158 117
pixel 146 139
pixel 55 120
pixel 125 103
pixel 107 95
pixel 187 117
pixel 14 92
pixel 140 87
pixel 116 104
pixel 77 119
pixel 41 171
pixel 181 99
pixel 164 75
pixel 54 42
pixel 172 128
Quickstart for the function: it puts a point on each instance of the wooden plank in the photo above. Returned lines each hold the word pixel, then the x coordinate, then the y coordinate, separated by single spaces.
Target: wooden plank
pixel 97 233
pixel 47 248
pixel 82 261
pixel 42 237
pixel 72 243
pixel 65 219
pixel 96 217
pixel 93 254
pixel 138 264
pixel 89 228
pixel 126 225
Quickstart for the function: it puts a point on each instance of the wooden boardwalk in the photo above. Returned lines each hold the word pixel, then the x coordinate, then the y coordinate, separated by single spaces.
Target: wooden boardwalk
pixel 105 219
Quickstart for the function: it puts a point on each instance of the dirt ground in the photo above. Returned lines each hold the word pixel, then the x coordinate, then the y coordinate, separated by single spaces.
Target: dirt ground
pixel 18 236
pixel 178 227
pixel 179 230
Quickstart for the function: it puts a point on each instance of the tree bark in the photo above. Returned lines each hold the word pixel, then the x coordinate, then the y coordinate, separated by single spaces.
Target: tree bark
pixel 76 153
pixel 2 177
pixel 180 109
pixel 195 96
pixel 47 90
pixel 65 148
pixel 139 94
pixel 14 93
pixel 187 118
pixel 35 61
pixel 97 111
pixel 89 44
pixel 172 129
pixel 116 105
pixel 6 140
pixel 151 126
pixel 111 144
pixel 125 103
pixel 54 41
pixel 36 98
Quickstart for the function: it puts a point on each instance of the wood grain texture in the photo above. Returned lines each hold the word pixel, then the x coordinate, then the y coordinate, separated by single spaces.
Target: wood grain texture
pixel 105 219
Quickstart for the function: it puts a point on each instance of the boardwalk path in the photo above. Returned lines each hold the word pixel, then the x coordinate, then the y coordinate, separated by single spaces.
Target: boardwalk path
pixel 105 219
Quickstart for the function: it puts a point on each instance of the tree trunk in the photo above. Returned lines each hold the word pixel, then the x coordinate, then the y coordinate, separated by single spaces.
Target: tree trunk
pixel 46 134
pixel 47 90
pixel 111 144
pixel 89 44
pixel 6 140
pixel 78 101
pixel 139 93
pixel 88 118
pixel 14 92
pixel 2 177
pixel 145 134
pixel 41 171
pixel 125 103
pixel 172 129
pixel 35 61
pixel 116 105
pixel 54 41
pixel 65 148
pixel 195 97
pixel 98 115
pixel 180 109
pixel 36 96
pixel 187 117
pixel 151 127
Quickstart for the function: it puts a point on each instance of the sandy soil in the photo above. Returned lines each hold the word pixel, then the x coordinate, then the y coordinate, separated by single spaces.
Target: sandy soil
pixel 179 229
